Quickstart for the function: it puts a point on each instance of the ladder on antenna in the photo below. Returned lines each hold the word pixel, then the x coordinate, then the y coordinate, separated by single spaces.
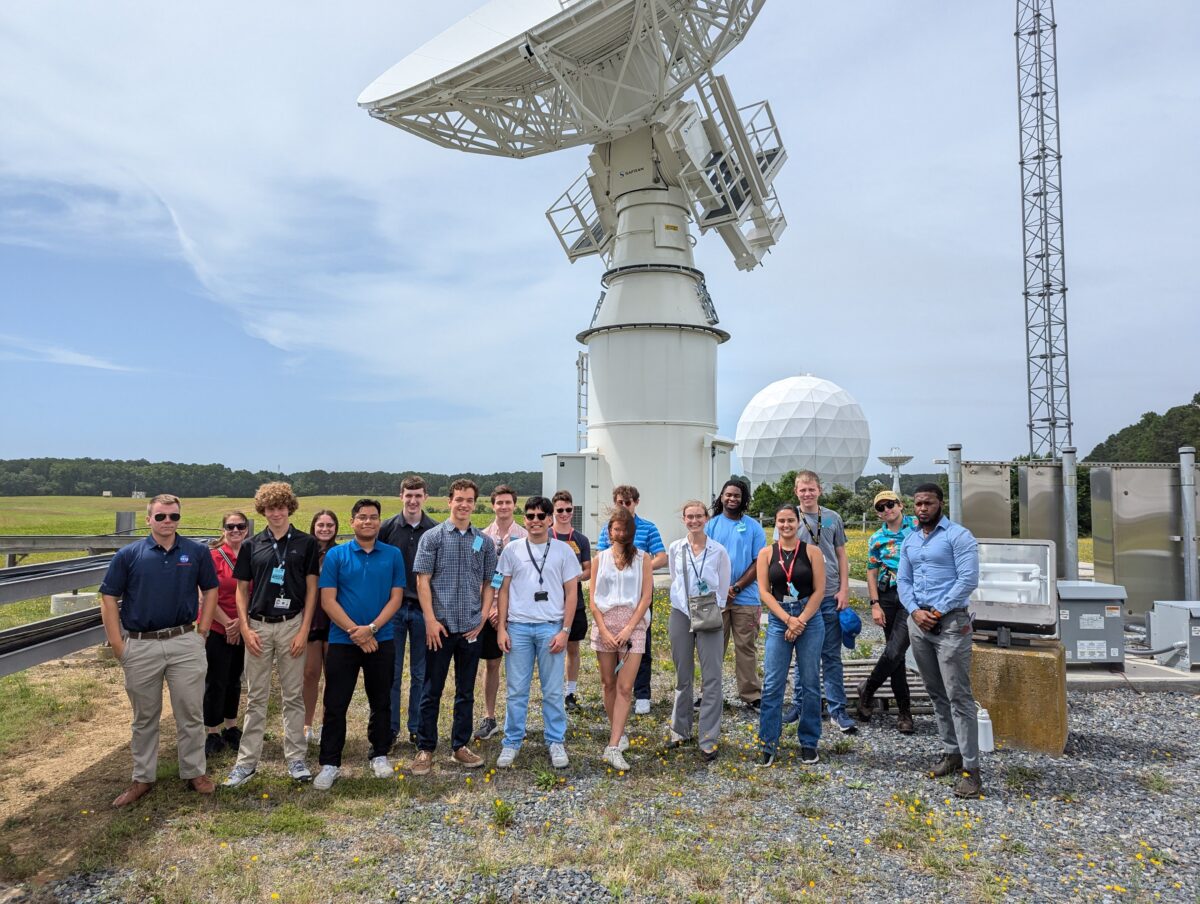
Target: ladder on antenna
pixel 581 401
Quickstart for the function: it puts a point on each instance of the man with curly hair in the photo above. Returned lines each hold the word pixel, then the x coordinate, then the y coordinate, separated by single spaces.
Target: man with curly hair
pixel 276 572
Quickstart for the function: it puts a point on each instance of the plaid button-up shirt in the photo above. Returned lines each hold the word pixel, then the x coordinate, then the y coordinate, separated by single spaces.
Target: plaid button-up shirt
pixel 457 573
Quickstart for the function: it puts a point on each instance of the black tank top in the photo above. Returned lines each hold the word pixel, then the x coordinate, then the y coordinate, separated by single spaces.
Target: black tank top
pixel 802 579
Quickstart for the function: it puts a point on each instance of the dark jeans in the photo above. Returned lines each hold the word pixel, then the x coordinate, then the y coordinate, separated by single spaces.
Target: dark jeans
pixel 409 623
pixel 223 681
pixel 465 656
pixel 891 661
pixel 342 664
pixel 641 684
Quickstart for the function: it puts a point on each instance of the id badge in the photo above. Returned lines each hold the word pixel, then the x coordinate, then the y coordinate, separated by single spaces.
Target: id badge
pixel 741 527
pixel 790 598
pixel 477 544
pixel 497 580
pixel 283 602
pixel 702 586
pixel 277 575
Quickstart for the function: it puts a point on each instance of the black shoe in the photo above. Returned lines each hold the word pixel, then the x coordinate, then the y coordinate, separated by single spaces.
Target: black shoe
pixel 904 722
pixel 213 744
pixel 697 702
pixel 755 705
pixel 232 737
pixel 808 755
pixel 572 703
pixel 969 784
pixel 948 765
pixel 866 706
pixel 767 759
pixel 709 755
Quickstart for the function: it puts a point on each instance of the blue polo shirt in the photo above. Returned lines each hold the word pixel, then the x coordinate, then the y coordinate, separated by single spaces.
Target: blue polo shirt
pixel 157 587
pixel 645 537
pixel 364 582
pixel 743 539
pixel 939 569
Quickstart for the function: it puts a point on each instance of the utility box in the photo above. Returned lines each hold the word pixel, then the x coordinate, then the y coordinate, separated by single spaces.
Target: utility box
pixel 585 476
pixel 1091 622
pixel 1176 621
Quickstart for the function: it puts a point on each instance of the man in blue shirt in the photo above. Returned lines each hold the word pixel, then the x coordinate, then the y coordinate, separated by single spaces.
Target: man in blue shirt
pixel 743 538
pixel 939 570
pixel 362 586
pixel 148 606
pixel 646 538
pixel 883 560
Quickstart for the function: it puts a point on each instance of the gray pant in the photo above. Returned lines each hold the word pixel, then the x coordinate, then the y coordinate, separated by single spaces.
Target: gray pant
pixel 944 661
pixel 685 645
pixel 182 662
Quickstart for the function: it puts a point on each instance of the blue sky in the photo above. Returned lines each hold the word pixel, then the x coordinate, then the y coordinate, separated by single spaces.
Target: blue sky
pixel 209 253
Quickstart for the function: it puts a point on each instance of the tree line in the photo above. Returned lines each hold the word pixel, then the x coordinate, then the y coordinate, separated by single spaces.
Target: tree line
pixel 95 476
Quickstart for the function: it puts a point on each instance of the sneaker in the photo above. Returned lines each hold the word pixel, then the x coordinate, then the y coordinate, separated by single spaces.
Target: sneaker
pixel 904 723
pixel 613 757
pixel 423 764
pixel 558 756
pixel 232 737
pixel 710 756
pixel 641 707
pixel 467 758
pixel 947 765
pixel 865 707
pixel 213 744
pixel 696 703
pixel 791 714
pixel 381 766
pixel 298 771
pixel 969 784
pixel 676 739
pixel 238 776
pixel 755 705
pixel 808 755
pixel 767 759
pixel 487 729
pixel 508 756
pixel 845 724
pixel 326 777
pixel 623 743
pixel 572 703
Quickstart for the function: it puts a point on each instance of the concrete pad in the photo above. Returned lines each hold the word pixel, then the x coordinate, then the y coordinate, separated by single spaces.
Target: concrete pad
pixel 1144 675
pixel 1024 690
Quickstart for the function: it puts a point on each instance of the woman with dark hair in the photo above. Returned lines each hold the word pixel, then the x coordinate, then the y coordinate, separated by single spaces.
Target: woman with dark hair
pixel 223 648
pixel 620 590
pixel 788 570
pixel 325 528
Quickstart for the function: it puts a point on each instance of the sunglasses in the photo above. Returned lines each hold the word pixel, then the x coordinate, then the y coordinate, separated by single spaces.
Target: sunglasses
pixel 886 504
pixel 241 525
pixel 164 516
pixel 564 511
pixel 536 516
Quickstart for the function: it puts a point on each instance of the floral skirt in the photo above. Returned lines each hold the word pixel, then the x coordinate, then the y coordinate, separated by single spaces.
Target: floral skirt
pixel 615 619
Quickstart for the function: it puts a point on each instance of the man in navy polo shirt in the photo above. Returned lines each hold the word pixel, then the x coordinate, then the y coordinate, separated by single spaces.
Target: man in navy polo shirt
pixel 362 586
pixel 649 540
pixel 148 605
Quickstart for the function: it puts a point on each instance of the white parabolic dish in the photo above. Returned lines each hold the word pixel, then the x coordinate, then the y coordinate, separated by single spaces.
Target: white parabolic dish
pixel 522 77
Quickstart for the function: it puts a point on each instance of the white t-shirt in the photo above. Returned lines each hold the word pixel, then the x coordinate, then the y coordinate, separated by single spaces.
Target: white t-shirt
pixel 712 565
pixel 520 562
pixel 612 587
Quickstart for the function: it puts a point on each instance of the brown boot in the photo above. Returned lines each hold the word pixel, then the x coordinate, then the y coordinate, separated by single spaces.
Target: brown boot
pixel 202 784
pixel 904 722
pixel 969 784
pixel 948 765
pixel 865 706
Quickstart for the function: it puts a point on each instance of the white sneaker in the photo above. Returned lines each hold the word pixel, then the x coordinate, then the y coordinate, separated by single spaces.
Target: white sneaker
pixel 558 756
pixel 612 756
pixel 326 777
pixel 623 744
pixel 641 707
pixel 298 771
pixel 238 776
pixel 382 767
pixel 508 756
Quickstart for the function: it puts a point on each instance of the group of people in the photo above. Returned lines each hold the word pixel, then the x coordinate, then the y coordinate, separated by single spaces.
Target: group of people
pixel 304 607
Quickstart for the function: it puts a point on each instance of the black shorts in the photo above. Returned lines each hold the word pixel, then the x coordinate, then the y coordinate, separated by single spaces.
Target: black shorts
pixel 318 635
pixel 489 645
pixel 579 625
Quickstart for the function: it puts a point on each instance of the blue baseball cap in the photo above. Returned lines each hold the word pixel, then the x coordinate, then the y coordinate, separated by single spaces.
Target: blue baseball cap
pixel 851 626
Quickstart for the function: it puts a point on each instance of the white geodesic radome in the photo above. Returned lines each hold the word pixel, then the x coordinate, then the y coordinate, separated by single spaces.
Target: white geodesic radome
pixel 803 422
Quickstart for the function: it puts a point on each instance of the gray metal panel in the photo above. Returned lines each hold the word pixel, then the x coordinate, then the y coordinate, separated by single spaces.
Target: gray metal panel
pixel 1090 590
pixel 986 499
pixel 19 660
pixel 27 582
pixel 1040 506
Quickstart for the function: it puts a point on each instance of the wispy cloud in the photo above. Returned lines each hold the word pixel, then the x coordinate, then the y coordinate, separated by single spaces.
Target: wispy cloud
pixel 15 348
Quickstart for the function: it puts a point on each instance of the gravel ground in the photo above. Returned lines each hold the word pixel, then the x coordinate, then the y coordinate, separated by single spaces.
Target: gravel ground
pixel 1112 820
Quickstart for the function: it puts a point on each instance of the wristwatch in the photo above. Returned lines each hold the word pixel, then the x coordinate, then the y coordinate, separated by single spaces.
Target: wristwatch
pixel 874 602
pixel 371 627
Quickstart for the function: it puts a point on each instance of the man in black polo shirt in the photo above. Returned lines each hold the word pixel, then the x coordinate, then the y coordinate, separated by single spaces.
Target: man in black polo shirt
pixel 404 531
pixel 148 605
pixel 276 575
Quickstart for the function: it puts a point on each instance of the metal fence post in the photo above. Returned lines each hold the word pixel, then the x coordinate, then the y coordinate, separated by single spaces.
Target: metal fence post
pixel 1070 552
pixel 954 473
pixel 1187 490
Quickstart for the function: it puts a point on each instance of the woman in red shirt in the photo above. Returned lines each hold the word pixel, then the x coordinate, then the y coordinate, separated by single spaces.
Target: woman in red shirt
pixel 226 655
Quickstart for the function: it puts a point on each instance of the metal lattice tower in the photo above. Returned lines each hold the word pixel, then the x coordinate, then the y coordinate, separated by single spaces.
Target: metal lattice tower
pixel 1042 231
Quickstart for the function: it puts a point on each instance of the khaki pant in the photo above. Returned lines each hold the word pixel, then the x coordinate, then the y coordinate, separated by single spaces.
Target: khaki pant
pixel 181 661
pixel 743 623
pixel 276 644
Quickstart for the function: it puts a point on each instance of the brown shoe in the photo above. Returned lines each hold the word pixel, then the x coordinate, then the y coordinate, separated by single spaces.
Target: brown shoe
pixel 132 793
pixel 423 764
pixel 865 706
pixel 969 784
pixel 948 765
pixel 202 784
pixel 465 758
pixel 904 723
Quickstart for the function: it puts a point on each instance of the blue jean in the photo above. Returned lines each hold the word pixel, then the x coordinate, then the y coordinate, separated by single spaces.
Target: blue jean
pixel 409 623
pixel 777 662
pixel 530 643
pixel 831 660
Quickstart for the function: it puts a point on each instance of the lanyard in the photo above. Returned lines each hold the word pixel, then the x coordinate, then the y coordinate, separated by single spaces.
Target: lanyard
pixel 692 559
pixel 279 559
pixel 787 569
pixel 555 534
pixel 537 567
pixel 808 527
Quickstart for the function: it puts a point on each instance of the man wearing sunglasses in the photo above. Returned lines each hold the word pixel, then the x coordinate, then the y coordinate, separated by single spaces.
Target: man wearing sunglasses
pixel 148 606
pixel 883 560
pixel 563 528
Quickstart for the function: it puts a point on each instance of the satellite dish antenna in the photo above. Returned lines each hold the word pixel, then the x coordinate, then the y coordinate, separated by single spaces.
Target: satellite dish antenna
pixel 517 78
